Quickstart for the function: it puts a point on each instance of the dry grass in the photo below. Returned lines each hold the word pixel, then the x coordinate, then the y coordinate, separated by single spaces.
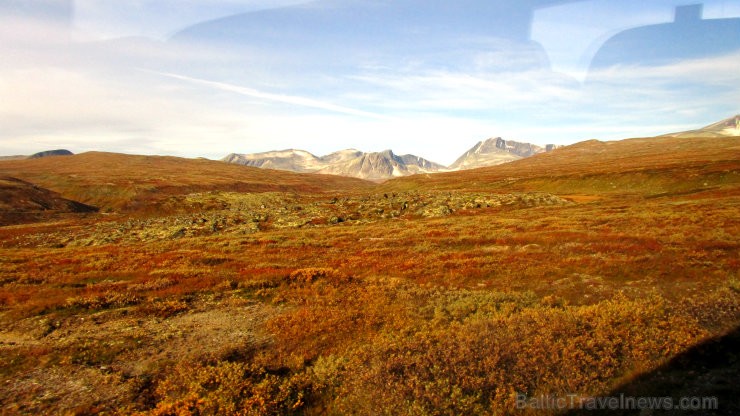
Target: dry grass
pixel 116 181
pixel 280 310
pixel 637 166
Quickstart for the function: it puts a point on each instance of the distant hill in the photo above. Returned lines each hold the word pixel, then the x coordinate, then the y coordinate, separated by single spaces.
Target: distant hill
pixel 729 127
pixel 48 153
pixel 21 201
pixel 115 181
pixel 350 162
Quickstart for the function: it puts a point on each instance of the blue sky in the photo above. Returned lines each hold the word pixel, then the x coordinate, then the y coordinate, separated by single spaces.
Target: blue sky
pixel 196 78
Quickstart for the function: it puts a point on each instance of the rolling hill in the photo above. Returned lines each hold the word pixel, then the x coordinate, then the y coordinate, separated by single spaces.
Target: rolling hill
pixel 128 182
pixel 643 165
pixel 21 201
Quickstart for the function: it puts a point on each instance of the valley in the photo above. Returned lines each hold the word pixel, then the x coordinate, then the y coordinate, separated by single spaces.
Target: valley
pixel 370 208
pixel 201 287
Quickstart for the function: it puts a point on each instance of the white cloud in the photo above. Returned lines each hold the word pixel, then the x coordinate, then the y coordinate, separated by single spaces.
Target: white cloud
pixel 664 87
pixel 280 98
pixel 89 96
pixel 454 91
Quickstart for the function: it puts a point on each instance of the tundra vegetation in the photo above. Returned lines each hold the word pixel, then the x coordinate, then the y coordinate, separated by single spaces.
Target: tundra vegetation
pixel 206 288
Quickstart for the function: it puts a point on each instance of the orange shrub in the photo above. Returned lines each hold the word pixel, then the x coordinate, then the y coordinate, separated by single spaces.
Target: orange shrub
pixel 312 274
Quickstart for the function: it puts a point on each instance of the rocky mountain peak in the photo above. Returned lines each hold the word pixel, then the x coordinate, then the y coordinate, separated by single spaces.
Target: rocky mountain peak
pixel 349 162
pixel 729 127
pixel 386 164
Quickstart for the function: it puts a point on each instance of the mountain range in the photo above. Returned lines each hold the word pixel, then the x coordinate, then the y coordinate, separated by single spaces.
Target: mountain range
pixel 350 162
pixel 117 182
pixel 385 165
pixel 496 151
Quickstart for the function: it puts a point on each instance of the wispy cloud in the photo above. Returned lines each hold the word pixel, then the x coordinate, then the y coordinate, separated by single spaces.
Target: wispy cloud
pixel 280 98
pixel 464 91
pixel 630 89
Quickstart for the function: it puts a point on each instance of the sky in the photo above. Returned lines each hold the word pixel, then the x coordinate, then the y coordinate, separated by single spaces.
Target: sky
pixel 428 77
